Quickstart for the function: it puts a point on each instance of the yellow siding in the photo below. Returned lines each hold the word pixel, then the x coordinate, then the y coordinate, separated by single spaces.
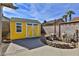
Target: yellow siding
pixel 17 35
pixel 27 31
pixel 37 31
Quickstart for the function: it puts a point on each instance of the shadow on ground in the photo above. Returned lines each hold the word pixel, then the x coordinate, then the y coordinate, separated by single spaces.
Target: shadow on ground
pixel 30 43
pixel 4 48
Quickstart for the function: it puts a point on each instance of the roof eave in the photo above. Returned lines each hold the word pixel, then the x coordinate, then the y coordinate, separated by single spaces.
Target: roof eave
pixel 10 5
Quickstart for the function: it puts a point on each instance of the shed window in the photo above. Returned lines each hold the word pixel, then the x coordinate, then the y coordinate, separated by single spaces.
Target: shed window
pixel 35 24
pixel 29 24
pixel 18 27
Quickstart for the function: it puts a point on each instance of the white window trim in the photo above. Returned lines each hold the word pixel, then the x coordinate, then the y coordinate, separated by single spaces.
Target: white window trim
pixel 17 25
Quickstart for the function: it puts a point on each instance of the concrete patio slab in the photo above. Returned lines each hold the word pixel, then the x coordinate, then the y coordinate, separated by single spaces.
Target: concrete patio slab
pixel 20 48
pixel 12 48
pixel 15 50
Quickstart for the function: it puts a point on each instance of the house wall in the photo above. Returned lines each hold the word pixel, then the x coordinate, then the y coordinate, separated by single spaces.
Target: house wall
pixel 5 28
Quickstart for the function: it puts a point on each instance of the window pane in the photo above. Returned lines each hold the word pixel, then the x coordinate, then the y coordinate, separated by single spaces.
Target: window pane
pixel 18 28
pixel 35 24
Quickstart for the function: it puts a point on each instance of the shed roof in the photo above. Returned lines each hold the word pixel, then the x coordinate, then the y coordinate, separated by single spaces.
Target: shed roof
pixel 26 20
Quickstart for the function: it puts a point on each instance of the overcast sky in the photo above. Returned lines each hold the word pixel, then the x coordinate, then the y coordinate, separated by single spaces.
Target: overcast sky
pixel 41 12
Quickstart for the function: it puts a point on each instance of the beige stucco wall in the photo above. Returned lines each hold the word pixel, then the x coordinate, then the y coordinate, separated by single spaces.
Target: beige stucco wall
pixel 50 29
pixel 70 29
pixel 57 30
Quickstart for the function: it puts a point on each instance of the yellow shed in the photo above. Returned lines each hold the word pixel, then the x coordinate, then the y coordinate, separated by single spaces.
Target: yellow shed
pixel 24 28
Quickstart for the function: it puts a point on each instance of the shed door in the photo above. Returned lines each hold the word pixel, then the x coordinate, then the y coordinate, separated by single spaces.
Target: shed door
pixel 29 30
pixel 35 30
